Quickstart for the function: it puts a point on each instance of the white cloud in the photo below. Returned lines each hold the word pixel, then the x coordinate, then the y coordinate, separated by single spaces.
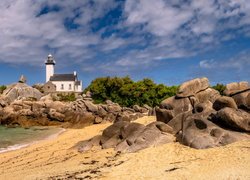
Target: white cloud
pixel 158 18
pixel 25 35
pixel 236 68
pixel 208 64
pixel 183 28
pixel 158 29
pixel 239 62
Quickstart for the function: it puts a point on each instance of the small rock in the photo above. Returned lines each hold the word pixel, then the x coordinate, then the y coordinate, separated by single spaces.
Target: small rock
pixel 98 120
pixel 22 79
pixel 88 94
pixel 109 102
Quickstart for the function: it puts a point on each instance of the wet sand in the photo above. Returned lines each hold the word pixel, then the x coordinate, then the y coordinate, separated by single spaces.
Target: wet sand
pixel 56 159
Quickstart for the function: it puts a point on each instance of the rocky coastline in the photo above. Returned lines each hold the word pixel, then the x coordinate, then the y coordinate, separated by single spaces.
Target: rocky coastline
pixel 25 106
pixel 198 117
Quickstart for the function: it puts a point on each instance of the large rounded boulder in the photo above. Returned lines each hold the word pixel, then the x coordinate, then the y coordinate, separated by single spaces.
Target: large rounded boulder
pixel 235 88
pixel 234 118
pixel 200 133
pixel 192 87
pixel 223 102
pixel 177 105
pixel 164 115
pixel 20 91
pixel 207 95
pixel 242 100
pixel 131 137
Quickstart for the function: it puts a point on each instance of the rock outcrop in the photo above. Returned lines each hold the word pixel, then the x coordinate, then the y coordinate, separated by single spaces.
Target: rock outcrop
pixel 23 105
pixel 234 118
pixel 235 88
pixel 190 88
pixel 200 133
pixel 111 112
pixel 242 100
pixel 201 118
pixel 176 105
pixel 223 102
pixel 20 91
pixel 130 137
pixel 198 116
pixel 240 92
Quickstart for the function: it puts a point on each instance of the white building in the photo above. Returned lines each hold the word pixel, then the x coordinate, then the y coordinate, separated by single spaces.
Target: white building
pixel 60 82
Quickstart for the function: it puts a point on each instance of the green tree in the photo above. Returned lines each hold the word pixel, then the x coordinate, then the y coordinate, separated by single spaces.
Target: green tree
pixel 126 92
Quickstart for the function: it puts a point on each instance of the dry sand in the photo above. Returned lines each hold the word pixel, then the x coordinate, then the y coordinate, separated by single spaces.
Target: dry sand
pixel 55 159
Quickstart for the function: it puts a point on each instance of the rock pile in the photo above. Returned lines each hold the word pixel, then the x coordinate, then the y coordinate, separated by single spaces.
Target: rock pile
pixel 99 113
pixel 202 118
pixel 23 105
pixel 198 116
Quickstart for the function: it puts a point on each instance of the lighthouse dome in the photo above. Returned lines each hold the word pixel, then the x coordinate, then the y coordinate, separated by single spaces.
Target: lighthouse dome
pixel 50 60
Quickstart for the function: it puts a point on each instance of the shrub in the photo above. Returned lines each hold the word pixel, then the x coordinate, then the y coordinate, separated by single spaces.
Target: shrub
pixel 2 88
pixel 126 92
pixel 66 97
pixel 220 88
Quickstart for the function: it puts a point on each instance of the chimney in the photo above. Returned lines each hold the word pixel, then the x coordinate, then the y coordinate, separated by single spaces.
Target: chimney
pixel 74 73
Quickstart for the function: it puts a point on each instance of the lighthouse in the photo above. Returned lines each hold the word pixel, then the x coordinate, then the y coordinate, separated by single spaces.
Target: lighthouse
pixel 60 82
pixel 50 63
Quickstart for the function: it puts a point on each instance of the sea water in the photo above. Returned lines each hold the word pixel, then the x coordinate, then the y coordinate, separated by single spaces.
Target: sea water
pixel 16 138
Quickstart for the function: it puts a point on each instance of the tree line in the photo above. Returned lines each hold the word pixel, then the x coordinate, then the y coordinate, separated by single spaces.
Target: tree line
pixel 126 92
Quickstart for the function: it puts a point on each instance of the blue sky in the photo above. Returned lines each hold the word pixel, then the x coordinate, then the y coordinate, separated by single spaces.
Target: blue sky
pixel 170 41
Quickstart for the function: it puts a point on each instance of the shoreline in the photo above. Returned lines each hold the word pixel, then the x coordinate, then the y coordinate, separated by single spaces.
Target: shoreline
pixel 24 145
pixel 57 159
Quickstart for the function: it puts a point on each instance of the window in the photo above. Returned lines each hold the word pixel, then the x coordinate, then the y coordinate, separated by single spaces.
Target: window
pixel 62 86
pixel 70 86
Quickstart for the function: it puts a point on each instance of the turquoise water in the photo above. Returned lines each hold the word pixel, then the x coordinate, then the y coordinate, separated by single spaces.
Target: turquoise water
pixel 15 138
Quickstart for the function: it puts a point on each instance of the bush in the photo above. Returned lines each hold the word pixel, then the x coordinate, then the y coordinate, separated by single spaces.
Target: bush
pixel 66 97
pixel 220 88
pixel 126 92
pixel 2 88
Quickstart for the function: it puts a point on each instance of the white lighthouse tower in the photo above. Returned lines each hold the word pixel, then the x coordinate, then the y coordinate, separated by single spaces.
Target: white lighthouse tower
pixel 50 63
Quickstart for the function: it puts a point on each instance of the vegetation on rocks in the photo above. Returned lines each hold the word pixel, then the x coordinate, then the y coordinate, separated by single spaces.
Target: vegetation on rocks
pixel 126 92
pixel 66 97
pixel 220 88
pixel 2 88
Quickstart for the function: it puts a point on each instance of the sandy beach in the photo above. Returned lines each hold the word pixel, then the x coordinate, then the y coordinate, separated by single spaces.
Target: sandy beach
pixel 56 159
